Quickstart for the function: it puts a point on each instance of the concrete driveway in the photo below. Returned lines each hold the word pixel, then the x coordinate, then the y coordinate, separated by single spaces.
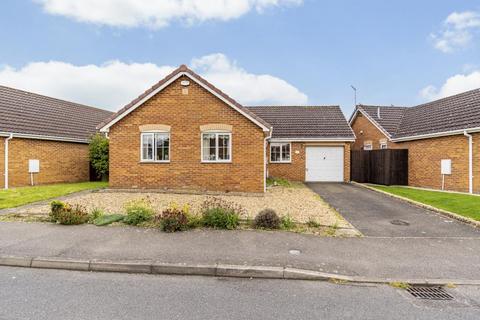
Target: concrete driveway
pixel 378 215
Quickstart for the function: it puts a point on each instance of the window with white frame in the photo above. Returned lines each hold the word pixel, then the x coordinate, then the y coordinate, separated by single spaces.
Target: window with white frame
pixel 216 147
pixel 367 145
pixel 383 144
pixel 280 152
pixel 155 146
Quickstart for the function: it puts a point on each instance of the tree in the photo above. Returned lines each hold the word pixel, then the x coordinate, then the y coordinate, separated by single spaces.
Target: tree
pixel 98 152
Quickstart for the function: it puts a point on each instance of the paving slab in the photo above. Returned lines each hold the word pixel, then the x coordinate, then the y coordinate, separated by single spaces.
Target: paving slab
pixel 400 257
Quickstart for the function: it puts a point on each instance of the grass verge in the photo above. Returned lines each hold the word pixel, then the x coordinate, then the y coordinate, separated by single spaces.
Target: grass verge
pixel 462 204
pixel 15 197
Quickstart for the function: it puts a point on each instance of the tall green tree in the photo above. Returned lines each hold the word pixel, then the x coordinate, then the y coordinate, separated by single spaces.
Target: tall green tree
pixel 98 151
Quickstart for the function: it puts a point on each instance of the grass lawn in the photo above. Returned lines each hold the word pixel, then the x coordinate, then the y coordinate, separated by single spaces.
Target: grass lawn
pixel 19 196
pixel 462 204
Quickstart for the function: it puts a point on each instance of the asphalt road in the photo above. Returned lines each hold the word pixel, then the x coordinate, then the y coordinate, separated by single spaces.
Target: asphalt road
pixel 373 213
pixel 54 294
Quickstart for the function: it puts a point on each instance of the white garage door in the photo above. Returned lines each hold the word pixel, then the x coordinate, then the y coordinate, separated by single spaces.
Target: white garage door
pixel 324 164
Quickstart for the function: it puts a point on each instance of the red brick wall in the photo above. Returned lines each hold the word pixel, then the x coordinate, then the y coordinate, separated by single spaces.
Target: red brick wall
pixel 59 161
pixel 295 170
pixel 185 114
pixel 366 131
pixel 425 157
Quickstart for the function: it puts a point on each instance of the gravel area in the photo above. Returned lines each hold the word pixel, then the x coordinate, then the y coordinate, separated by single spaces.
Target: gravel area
pixel 298 201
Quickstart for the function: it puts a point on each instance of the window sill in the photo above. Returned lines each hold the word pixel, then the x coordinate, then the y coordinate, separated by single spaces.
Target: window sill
pixel 153 162
pixel 206 161
pixel 280 162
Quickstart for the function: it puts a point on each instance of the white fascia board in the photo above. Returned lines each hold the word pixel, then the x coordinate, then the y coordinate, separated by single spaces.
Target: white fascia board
pixel 385 133
pixel 106 127
pixel 353 116
pixel 436 135
pixel 312 140
pixel 42 137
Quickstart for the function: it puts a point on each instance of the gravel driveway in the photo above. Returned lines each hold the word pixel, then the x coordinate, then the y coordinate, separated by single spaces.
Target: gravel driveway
pixel 298 201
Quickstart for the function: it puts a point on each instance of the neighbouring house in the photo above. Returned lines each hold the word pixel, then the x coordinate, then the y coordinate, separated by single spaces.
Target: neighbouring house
pixel 184 133
pixel 445 131
pixel 44 140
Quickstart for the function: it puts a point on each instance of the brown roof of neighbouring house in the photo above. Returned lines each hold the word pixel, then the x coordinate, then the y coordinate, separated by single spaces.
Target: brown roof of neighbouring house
pixel 33 114
pixel 182 68
pixel 390 116
pixel 454 113
pixel 458 112
pixel 307 122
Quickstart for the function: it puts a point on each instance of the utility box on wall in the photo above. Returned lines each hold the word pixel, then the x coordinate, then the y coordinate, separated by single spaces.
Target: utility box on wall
pixel 33 166
pixel 446 166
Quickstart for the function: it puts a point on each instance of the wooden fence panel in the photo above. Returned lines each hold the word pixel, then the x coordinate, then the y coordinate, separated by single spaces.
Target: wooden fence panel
pixel 387 166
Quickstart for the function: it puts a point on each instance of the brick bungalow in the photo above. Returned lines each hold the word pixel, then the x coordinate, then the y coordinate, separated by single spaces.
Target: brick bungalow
pixel 184 133
pixel 446 129
pixel 46 133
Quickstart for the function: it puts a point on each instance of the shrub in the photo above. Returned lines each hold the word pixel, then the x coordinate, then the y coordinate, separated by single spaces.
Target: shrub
pixel 173 219
pixel 98 153
pixel 194 221
pixel 95 214
pixel 220 218
pixel 138 211
pixel 287 223
pixel 108 219
pixel 221 214
pixel 267 219
pixel 66 214
pixel 55 207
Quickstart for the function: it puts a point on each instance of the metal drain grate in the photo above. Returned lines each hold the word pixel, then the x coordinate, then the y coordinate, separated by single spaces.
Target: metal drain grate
pixel 400 223
pixel 429 293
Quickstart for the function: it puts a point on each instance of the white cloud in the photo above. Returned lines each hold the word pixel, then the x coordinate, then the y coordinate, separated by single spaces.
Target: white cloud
pixel 456 84
pixel 114 84
pixel 109 85
pixel 246 87
pixel 157 13
pixel 458 31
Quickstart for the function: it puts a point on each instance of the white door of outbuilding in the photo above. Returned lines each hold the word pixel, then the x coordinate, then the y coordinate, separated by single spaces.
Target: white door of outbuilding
pixel 324 164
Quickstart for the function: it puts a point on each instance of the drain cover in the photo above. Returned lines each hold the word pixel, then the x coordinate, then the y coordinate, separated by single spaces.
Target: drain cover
pixel 429 293
pixel 400 222
pixel 295 252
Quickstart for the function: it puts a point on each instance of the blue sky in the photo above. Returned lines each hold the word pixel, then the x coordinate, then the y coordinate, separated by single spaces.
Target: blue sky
pixel 260 51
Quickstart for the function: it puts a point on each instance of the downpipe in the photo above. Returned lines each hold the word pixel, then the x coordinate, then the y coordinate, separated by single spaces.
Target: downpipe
pixel 470 160
pixel 10 137
pixel 265 160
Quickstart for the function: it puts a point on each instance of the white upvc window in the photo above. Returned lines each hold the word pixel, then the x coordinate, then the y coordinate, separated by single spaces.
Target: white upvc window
pixel 216 147
pixel 383 145
pixel 280 152
pixel 367 146
pixel 155 147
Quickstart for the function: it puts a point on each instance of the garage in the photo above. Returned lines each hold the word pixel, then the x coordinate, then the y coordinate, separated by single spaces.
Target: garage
pixel 324 164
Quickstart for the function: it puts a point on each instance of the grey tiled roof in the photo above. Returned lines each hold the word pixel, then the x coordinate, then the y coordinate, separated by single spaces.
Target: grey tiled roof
pixel 315 122
pixel 458 112
pixel 29 113
pixel 390 116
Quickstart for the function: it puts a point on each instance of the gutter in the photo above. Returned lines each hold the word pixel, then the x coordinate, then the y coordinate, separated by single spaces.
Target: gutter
pixel 436 135
pixel 470 161
pixel 42 137
pixel 10 137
